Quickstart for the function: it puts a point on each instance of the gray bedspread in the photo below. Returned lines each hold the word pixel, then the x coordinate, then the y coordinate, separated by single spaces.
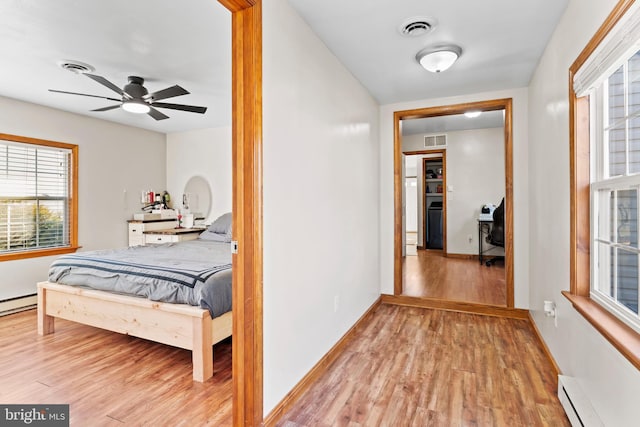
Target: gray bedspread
pixel 195 272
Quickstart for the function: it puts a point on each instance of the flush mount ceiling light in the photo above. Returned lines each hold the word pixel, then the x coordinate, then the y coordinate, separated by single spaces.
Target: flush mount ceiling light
pixel 136 106
pixel 472 114
pixel 440 58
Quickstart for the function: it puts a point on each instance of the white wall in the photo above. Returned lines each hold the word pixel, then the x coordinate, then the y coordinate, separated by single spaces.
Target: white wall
pixel 520 184
pixel 205 153
pixel 320 200
pixel 610 381
pixel 475 172
pixel 116 163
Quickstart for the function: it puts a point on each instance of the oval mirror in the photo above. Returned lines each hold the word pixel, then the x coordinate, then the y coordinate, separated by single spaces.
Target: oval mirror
pixel 197 196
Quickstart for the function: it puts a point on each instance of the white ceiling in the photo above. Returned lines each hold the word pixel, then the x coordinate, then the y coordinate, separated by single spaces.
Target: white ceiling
pixel 456 122
pixel 166 42
pixel 188 43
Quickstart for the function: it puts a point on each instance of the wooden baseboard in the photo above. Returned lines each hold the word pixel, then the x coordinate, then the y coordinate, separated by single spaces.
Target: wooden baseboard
pixel 15 305
pixel 463 256
pixel 464 307
pixel 546 350
pixel 320 368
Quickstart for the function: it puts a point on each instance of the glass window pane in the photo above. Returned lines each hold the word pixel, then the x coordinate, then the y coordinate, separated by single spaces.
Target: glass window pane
pixel 633 91
pixel 616 96
pixel 605 228
pixel 627 217
pixel 627 283
pixel 634 145
pixel 605 270
pixel 617 151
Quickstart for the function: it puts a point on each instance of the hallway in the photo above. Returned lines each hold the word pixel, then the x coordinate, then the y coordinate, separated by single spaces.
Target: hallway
pixel 431 275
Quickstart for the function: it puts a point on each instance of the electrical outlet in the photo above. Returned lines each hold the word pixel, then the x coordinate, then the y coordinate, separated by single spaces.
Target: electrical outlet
pixel 470 238
pixel 336 303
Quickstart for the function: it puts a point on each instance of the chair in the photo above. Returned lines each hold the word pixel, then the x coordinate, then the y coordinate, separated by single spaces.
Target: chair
pixel 496 235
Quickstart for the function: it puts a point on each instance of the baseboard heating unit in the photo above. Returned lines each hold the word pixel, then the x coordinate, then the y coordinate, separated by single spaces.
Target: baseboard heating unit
pixel 576 404
pixel 14 305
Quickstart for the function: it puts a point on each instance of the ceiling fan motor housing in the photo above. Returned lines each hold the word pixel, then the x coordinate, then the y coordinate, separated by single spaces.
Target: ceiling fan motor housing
pixel 135 87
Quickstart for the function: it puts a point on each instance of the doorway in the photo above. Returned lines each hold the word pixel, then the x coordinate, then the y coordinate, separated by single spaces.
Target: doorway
pixel 449 260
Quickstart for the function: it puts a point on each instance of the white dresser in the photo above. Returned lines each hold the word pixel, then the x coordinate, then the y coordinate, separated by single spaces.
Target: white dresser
pixel 138 227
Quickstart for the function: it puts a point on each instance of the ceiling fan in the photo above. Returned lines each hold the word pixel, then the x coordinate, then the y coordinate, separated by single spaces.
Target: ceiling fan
pixel 137 99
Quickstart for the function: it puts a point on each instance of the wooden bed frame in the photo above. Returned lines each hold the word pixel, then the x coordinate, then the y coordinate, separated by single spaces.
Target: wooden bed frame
pixel 179 325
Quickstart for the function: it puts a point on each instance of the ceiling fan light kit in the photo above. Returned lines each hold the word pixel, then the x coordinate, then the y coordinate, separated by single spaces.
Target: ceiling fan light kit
pixel 136 106
pixel 135 98
pixel 439 58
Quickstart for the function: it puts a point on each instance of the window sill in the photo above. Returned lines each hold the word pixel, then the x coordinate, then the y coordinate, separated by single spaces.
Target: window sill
pixel 624 339
pixel 38 253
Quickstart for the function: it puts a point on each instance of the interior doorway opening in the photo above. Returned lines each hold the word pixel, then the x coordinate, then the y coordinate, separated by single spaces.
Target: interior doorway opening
pixel 462 239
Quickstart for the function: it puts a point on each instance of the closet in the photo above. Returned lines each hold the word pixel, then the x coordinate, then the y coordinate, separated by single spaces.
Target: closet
pixel 434 178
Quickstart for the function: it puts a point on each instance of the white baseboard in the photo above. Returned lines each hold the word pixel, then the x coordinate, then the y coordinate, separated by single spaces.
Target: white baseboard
pixel 15 305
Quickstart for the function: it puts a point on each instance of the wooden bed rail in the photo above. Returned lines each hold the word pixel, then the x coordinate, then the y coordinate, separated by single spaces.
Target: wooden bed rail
pixel 179 325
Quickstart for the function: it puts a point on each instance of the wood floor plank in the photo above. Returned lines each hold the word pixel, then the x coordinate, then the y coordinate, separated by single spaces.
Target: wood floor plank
pixel 430 274
pixel 110 379
pixel 430 367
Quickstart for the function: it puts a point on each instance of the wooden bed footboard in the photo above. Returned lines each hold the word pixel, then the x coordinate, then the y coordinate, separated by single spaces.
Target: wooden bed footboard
pixel 179 325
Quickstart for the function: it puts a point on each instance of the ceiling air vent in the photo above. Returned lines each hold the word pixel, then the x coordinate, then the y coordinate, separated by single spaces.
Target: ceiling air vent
pixel 416 26
pixel 435 141
pixel 76 67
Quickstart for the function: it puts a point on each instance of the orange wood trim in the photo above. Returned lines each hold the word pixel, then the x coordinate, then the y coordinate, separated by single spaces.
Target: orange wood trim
pixel 546 350
pixel 464 307
pixel 38 253
pixel 73 198
pixel 622 337
pixel 508 201
pixel 579 162
pixel 317 371
pixel 580 234
pixel 618 12
pixel 238 5
pixel 397 189
pixel 505 104
pixel 247 210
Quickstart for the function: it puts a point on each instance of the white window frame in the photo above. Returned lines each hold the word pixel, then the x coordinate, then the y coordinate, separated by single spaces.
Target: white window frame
pixel 601 182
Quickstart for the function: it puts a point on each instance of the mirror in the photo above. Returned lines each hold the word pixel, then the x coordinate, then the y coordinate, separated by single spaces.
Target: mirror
pixel 451 166
pixel 197 196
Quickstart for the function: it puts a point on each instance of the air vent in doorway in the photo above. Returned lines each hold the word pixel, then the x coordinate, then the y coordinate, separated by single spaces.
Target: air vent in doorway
pixel 435 141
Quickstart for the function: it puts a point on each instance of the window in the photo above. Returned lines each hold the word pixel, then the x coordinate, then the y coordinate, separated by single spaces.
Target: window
pixel 615 182
pixel 37 197
pixel 605 180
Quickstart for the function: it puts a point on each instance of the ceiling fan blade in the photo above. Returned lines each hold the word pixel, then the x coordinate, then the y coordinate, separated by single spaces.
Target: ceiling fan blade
pixel 157 114
pixel 190 108
pixel 169 92
pixel 110 107
pixel 84 94
pixel 108 84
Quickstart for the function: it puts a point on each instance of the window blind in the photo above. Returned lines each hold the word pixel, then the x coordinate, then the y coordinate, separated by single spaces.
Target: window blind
pixel 34 196
pixel 617 47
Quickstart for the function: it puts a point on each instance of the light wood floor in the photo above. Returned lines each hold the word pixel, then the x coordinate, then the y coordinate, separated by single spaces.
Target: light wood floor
pixel 431 275
pixel 420 367
pixel 110 379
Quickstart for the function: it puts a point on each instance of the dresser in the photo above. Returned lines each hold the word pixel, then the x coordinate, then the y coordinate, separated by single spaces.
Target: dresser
pixel 156 237
pixel 137 228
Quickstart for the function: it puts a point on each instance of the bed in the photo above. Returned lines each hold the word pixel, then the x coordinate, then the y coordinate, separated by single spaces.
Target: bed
pixel 176 293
